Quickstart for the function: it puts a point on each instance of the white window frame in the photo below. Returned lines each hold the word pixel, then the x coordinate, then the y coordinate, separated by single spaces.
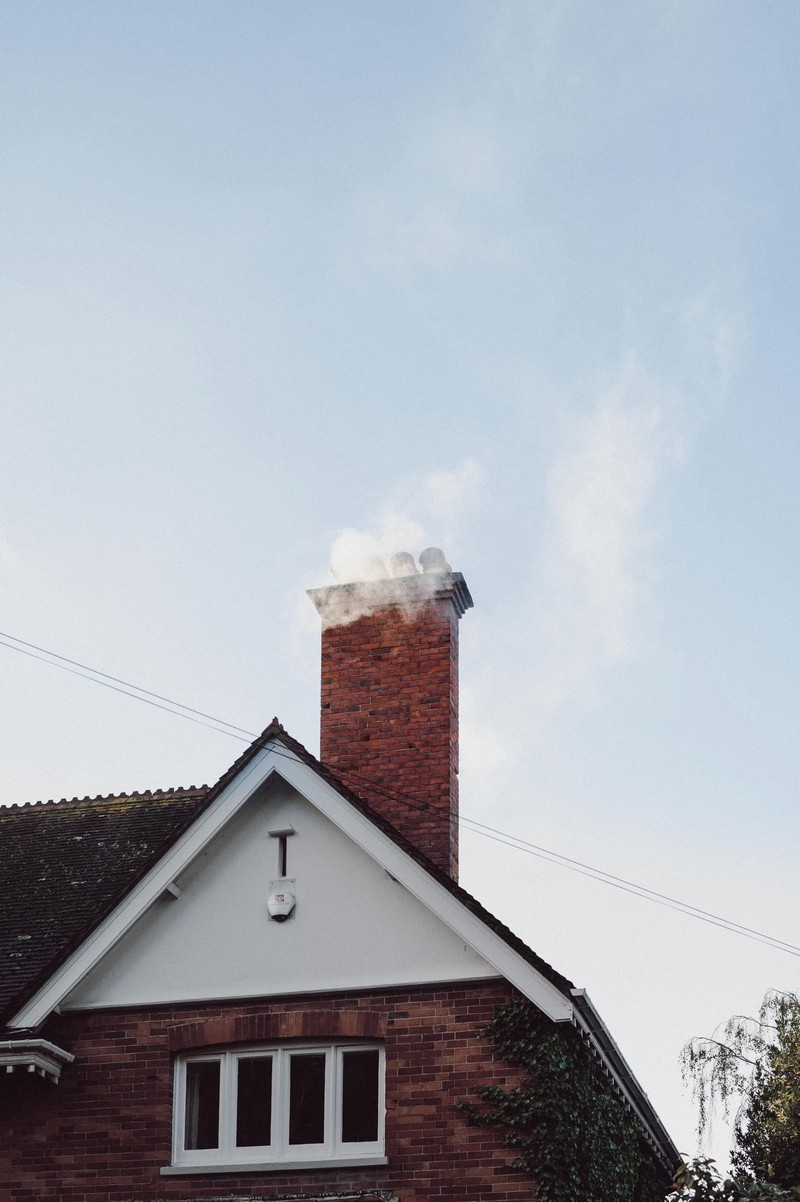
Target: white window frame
pixel 280 1152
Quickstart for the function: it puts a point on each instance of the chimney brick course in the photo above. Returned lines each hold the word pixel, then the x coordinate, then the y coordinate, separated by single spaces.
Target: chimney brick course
pixel 389 704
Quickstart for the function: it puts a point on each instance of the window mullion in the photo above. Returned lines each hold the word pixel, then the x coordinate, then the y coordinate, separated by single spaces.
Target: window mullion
pixel 331 1105
pixel 339 1108
pixel 227 1121
pixel 179 1109
pixel 280 1103
pixel 381 1099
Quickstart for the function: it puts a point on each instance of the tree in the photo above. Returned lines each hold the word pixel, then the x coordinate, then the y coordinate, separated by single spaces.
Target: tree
pixel 756 1060
pixel 699 1181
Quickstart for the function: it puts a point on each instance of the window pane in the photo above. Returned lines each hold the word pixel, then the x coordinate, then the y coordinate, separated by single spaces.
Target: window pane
pixel 307 1100
pixel 202 1104
pixel 254 1102
pixel 359 1097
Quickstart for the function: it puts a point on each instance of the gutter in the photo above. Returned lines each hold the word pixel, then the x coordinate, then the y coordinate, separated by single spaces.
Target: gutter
pixel 596 1034
pixel 34 1056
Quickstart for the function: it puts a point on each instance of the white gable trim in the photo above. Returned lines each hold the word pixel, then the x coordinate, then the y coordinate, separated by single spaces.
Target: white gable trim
pixel 429 891
pixel 277 759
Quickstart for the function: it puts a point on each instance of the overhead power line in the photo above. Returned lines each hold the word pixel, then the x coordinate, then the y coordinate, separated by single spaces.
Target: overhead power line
pixel 608 878
pixel 211 722
pixel 598 874
pixel 75 668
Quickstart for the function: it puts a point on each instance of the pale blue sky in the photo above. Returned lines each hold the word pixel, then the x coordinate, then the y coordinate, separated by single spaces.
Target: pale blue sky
pixel 519 279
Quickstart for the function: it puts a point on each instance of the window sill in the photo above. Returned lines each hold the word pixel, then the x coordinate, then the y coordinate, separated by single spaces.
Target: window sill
pixel 274 1166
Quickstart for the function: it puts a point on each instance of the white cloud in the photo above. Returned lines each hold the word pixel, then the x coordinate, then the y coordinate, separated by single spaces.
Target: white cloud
pixel 596 569
pixel 598 489
pixel 447 495
pixel 590 600
pixel 710 334
pixel 443 197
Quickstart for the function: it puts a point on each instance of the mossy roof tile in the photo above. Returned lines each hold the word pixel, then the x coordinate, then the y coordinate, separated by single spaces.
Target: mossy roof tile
pixel 65 864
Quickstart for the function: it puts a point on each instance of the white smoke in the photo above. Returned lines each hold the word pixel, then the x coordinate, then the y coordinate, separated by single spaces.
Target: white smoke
pixel 448 496
pixel 598 490
pixel 597 568
pixel 363 555
pixel 418 514
pixel 591 591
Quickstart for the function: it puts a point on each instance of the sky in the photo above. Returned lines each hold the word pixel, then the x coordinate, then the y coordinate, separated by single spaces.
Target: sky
pixel 286 284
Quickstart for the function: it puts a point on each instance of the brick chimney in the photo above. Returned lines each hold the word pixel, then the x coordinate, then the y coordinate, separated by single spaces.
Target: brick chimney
pixel 389 714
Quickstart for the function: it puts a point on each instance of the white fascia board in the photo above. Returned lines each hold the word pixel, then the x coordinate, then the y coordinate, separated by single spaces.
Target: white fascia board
pixel 469 928
pixel 307 781
pixel 147 891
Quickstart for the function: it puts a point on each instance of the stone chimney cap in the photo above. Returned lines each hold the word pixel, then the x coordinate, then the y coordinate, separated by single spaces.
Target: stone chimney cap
pixel 340 604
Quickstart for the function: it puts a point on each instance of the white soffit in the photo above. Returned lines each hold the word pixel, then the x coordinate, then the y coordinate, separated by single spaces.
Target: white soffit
pixel 307 781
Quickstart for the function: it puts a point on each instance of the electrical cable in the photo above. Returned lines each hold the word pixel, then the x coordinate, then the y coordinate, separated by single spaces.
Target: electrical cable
pixel 609 878
pixel 179 710
pixel 605 878
pixel 105 675
pixel 598 874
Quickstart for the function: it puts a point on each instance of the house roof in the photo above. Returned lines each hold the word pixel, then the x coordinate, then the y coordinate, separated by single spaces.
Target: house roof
pixel 65 865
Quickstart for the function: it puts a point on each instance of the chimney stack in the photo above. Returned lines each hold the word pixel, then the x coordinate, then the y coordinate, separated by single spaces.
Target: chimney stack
pixel 389 712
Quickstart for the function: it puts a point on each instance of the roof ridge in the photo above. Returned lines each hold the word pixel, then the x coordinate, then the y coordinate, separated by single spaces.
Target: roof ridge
pixel 275 729
pixel 176 791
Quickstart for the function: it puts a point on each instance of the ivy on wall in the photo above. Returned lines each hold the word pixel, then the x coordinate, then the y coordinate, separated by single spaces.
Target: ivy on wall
pixel 571 1131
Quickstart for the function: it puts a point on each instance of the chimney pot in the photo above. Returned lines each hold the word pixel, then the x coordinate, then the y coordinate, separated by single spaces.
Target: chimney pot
pixel 402 564
pixel 433 561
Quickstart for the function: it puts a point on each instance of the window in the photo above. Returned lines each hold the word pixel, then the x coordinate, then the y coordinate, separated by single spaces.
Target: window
pixel 281 1105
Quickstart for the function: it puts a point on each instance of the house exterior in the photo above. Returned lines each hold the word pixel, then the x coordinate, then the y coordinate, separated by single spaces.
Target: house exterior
pixel 274 987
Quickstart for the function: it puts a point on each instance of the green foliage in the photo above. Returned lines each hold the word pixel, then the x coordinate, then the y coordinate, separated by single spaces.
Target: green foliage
pixel 757 1061
pixel 572 1133
pixel 699 1181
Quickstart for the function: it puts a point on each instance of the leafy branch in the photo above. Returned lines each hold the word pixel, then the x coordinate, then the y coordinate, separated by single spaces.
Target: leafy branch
pixel 755 1062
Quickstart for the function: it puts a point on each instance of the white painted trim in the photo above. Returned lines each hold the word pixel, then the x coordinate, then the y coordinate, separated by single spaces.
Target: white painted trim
pixel 33 1056
pixel 287 1166
pixel 419 882
pixel 307 781
pixel 279 1152
pixel 229 999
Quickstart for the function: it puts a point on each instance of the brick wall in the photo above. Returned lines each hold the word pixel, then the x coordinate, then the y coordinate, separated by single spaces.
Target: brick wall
pixel 104 1132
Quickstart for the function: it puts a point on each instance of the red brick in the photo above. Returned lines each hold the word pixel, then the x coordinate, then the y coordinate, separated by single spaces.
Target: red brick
pixel 389 725
pixel 105 1131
